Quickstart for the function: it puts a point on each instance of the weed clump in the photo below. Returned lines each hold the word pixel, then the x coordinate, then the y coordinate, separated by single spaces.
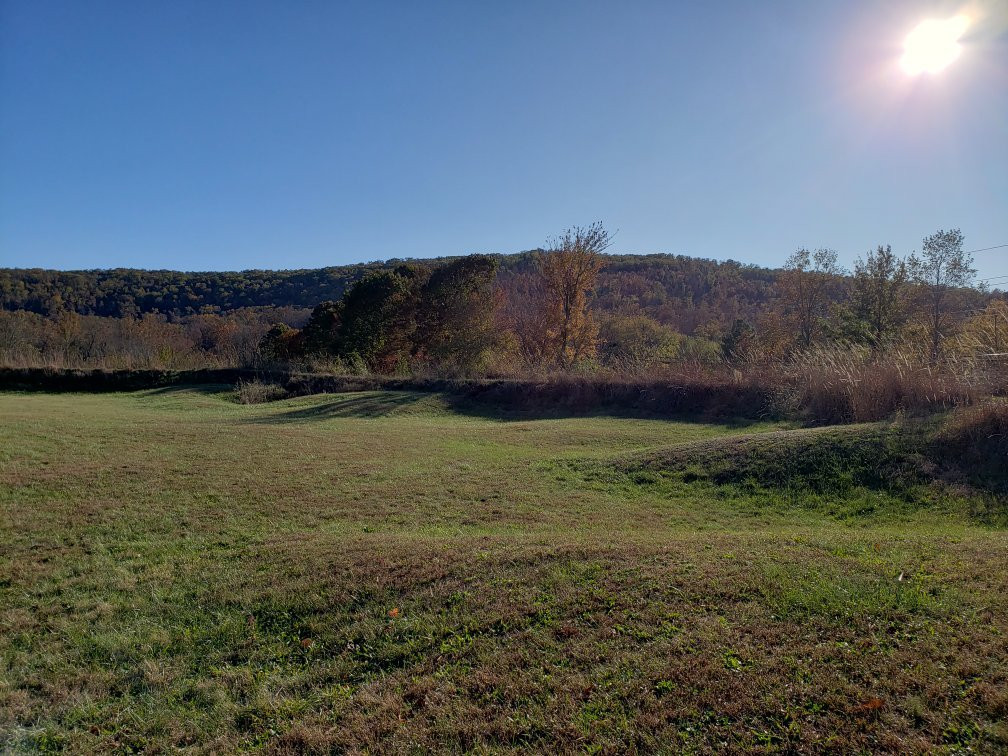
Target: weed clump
pixel 258 392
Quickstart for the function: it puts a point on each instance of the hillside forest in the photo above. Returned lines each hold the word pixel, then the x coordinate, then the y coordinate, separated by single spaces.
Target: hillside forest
pixel 568 307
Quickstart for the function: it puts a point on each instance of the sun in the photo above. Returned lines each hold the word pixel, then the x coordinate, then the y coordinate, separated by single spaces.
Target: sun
pixel 933 44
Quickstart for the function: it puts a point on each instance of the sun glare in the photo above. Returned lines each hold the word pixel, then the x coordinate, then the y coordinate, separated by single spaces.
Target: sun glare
pixel 933 44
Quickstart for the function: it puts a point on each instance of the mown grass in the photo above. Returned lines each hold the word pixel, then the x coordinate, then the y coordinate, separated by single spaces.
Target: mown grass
pixel 381 572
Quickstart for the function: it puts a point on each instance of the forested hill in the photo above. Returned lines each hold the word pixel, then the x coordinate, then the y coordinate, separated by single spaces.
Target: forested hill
pixel 125 292
pixel 677 290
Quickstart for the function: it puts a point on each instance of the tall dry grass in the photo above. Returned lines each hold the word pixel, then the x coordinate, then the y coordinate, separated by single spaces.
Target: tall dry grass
pixel 837 384
pixel 850 384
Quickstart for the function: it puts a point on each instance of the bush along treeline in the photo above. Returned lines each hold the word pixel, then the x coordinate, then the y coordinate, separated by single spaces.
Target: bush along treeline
pixel 394 319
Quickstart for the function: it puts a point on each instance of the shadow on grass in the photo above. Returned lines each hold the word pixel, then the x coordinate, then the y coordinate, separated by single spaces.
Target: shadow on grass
pixel 212 389
pixel 688 400
pixel 511 411
pixel 409 403
pixel 368 405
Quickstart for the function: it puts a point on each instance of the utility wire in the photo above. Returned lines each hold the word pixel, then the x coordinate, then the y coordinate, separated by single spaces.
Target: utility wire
pixel 987 249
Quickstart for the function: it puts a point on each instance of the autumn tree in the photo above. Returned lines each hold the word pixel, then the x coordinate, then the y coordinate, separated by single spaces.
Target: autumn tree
pixel 569 268
pixel 527 312
pixel 879 298
pixel 738 343
pixel 393 318
pixel 942 271
pixel 281 343
pixel 804 286
pixel 379 318
pixel 454 321
pixel 321 333
pixel 637 341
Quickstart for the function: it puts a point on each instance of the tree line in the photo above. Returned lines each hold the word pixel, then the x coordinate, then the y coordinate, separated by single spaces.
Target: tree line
pixel 567 306
pixel 922 299
pixel 466 315
pixel 133 293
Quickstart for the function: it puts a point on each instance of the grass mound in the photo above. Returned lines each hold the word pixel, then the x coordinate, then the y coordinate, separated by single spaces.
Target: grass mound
pixel 955 463
pixel 823 460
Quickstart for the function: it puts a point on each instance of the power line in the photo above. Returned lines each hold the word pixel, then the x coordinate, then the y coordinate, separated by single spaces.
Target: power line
pixel 987 249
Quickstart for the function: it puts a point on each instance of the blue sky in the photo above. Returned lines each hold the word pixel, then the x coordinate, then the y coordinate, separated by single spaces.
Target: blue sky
pixel 207 134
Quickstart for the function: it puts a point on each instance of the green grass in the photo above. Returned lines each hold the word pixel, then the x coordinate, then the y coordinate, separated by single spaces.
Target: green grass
pixel 381 572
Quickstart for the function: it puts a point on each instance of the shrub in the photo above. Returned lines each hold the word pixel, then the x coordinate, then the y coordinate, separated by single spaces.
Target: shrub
pixel 257 392
pixel 281 343
pixel 322 364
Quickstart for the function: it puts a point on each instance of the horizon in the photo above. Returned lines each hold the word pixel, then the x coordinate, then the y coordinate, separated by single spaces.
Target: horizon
pixel 993 286
pixel 260 137
pixel 389 260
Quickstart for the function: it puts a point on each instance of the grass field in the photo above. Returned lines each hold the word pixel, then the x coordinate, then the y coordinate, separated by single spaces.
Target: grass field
pixel 383 572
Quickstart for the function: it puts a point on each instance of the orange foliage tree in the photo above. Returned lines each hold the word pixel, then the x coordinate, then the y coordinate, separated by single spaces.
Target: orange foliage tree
pixel 545 309
pixel 569 269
